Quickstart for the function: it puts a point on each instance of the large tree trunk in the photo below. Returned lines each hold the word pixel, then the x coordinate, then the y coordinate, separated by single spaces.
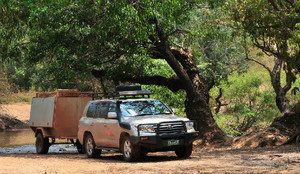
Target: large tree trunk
pixel 282 101
pixel 197 107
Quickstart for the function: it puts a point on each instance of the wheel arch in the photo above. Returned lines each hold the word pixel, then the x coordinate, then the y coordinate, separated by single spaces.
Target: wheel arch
pixel 85 134
pixel 40 130
pixel 123 134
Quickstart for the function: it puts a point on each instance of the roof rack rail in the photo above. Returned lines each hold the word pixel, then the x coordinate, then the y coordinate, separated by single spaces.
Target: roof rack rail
pixel 124 92
pixel 134 94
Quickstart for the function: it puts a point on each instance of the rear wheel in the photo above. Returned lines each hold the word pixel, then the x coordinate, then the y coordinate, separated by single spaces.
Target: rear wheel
pixel 143 153
pixel 41 144
pixel 90 147
pixel 184 151
pixel 130 151
pixel 79 147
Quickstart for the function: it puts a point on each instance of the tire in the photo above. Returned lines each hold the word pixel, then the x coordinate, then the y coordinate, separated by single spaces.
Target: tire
pixel 41 144
pixel 144 153
pixel 90 147
pixel 184 151
pixel 130 152
pixel 298 141
pixel 79 147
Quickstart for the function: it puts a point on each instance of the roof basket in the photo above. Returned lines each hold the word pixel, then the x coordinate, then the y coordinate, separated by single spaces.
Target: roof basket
pixel 134 93
pixel 124 92
pixel 129 88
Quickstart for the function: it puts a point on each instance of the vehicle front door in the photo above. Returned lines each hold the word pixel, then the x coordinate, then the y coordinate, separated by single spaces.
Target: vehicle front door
pixel 112 128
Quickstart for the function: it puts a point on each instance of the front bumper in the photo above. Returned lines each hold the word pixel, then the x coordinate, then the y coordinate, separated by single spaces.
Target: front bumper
pixel 165 141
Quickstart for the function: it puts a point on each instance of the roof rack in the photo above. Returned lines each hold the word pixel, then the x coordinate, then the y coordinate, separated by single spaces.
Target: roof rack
pixel 124 92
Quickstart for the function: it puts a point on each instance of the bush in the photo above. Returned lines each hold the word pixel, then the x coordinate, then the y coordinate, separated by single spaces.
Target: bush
pixel 247 103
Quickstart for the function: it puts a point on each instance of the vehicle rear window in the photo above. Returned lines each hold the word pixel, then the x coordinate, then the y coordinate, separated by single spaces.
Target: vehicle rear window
pixel 91 110
pixel 101 110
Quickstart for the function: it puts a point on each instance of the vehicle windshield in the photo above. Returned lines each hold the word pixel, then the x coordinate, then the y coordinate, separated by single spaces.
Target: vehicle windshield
pixel 144 107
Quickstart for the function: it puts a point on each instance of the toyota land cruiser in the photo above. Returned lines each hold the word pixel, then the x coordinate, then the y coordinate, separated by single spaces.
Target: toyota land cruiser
pixel 133 123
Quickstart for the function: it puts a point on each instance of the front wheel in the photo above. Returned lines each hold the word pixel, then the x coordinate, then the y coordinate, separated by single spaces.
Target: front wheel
pixel 184 151
pixel 130 151
pixel 41 144
pixel 90 147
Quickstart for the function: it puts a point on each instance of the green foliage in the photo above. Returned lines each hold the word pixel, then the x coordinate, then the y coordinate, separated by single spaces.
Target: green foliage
pixel 217 50
pixel 247 103
pixel 173 100
pixel 272 25
pixel 56 44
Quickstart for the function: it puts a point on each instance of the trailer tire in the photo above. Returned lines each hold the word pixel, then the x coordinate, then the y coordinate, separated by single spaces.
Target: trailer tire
pixel 90 147
pixel 41 144
pixel 79 147
pixel 298 141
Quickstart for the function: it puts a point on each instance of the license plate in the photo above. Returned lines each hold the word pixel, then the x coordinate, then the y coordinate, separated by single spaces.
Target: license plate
pixel 173 142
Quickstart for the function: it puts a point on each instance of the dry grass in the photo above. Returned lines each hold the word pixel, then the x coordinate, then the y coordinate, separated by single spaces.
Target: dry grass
pixel 17 97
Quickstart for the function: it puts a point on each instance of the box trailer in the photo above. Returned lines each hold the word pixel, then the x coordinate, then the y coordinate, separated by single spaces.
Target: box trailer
pixel 55 115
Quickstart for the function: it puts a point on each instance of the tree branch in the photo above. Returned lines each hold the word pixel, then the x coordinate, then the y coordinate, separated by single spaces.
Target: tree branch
pixel 172 83
pixel 272 2
pixel 261 64
pixel 217 110
pixel 177 31
pixel 265 49
pixel 164 48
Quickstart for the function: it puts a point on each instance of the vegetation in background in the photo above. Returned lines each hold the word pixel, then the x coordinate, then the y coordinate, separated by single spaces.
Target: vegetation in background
pixel 186 47
pixel 273 27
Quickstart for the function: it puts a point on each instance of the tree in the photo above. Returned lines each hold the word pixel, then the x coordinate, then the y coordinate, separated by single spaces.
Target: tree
pixel 274 28
pixel 119 40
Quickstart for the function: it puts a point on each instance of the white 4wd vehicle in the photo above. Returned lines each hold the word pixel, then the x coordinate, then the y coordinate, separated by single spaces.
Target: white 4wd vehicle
pixel 134 126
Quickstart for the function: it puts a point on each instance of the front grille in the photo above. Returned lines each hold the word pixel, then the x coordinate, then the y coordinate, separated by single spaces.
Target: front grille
pixel 171 128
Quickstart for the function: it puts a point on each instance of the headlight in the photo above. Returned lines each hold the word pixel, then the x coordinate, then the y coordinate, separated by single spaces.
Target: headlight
pixel 146 129
pixel 190 126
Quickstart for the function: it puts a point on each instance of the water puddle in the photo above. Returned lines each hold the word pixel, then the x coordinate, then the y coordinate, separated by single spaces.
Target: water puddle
pixel 23 141
pixel 16 138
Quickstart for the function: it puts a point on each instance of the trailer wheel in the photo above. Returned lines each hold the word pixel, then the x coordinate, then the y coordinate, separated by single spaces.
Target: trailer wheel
pixel 41 144
pixel 298 141
pixel 184 151
pixel 79 147
pixel 90 147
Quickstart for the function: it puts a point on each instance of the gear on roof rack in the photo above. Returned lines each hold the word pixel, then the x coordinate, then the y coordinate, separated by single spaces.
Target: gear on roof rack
pixel 124 92
pixel 128 88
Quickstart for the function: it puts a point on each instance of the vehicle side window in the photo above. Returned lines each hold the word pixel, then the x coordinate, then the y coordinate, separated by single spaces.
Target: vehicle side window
pixel 91 110
pixel 101 110
pixel 112 107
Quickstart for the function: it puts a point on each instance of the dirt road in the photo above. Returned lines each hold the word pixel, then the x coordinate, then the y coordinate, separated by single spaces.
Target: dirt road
pixel 273 160
pixel 266 160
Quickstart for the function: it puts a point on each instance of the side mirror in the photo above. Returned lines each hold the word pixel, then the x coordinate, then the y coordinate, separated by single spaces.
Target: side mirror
pixel 112 115
pixel 174 110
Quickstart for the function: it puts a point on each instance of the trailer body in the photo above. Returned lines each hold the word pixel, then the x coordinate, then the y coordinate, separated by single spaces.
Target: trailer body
pixel 55 115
